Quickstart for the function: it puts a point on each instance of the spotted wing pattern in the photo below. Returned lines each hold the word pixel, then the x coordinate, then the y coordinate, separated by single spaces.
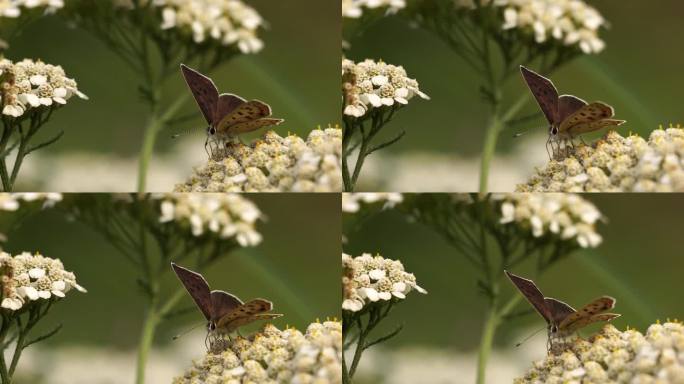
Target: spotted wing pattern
pixel 594 126
pixel 544 92
pixel 532 294
pixel 253 125
pixel 583 322
pixel 197 287
pixel 597 306
pixel 247 313
pixel 588 114
pixel 204 91
pixel 223 303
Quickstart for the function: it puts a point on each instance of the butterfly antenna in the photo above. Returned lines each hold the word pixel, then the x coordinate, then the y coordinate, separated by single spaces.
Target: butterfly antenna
pixel 186 131
pixel 529 337
pixel 519 134
pixel 178 336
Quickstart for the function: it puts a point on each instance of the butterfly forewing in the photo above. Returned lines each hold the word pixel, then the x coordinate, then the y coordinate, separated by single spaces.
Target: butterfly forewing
pixel 583 322
pixel 558 309
pixel 197 287
pixel 544 92
pixel 251 110
pixel 250 126
pixel 227 103
pixel 567 105
pixel 596 306
pixel 594 126
pixel 223 303
pixel 532 294
pixel 244 320
pixel 203 89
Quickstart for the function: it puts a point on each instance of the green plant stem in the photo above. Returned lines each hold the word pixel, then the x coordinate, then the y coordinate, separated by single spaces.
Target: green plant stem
pixel 496 125
pixel 493 321
pixel 155 123
pixel 145 344
pixel 3 365
pixel 360 343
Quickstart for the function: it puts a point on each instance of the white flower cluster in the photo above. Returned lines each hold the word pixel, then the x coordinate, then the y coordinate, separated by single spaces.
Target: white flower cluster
pixel 352 202
pixel 571 22
pixel 229 22
pixel 12 201
pixel 371 84
pixel 274 356
pixel 27 278
pixel 226 215
pixel 33 84
pixel 12 8
pixel 369 279
pixel 566 215
pixel 354 8
pixel 616 357
pixel 617 164
pixel 274 164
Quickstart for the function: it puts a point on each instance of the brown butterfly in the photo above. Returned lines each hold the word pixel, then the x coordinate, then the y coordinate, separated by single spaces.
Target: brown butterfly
pixel 563 320
pixel 224 312
pixel 568 116
pixel 228 115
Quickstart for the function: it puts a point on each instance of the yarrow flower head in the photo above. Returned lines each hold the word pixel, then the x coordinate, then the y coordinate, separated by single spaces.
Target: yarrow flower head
pixel 215 214
pixel 12 8
pixel 13 201
pixel 274 356
pixel 28 278
pixel 29 84
pixel 352 202
pixel 228 22
pixel 370 279
pixel 616 357
pixel 567 216
pixel 370 84
pixel 354 8
pixel 569 22
pixel 617 164
pixel 274 164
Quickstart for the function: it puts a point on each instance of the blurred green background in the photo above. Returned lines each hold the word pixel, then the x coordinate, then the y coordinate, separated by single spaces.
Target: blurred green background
pixel 297 74
pixel 639 73
pixel 639 263
pixel 296 266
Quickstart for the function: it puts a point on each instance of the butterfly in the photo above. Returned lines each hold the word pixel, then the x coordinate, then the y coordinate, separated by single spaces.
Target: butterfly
pixel 224 312
pixel 568 116
pixel 228 115
pixel 563 320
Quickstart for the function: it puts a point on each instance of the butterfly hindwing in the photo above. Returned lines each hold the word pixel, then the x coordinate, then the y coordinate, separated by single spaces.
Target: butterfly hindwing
pixel 583 322
pixel 596 306
pixel 248 309
pixel 544 92
pixel 253 125
pixel 204 91
pixel 594 126
pixel 532 294
pixel 197 287
pixel 244 320
pixel 223 303
pixel 589 113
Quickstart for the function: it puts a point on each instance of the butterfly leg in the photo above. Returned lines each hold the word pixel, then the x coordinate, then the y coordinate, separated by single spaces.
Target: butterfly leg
pixel 548 140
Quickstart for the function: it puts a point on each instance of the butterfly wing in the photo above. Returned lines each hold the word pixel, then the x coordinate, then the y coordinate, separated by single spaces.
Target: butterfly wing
pixel 567 105
pixel 203 89
pixel 246 313
pixel 594 126
pixel 227 103
pixel 596 306
pixel 587 114
pixel 558 309
pixel 223 303
pixel 197 287
pixel 532 294
pixel 253 125
pixel 246 112
pixel 544 92
pixel 583 322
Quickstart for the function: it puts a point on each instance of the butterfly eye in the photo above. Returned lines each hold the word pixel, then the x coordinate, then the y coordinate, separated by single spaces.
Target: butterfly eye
pixel 211 130
pixel 554 130
pixel 211 326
